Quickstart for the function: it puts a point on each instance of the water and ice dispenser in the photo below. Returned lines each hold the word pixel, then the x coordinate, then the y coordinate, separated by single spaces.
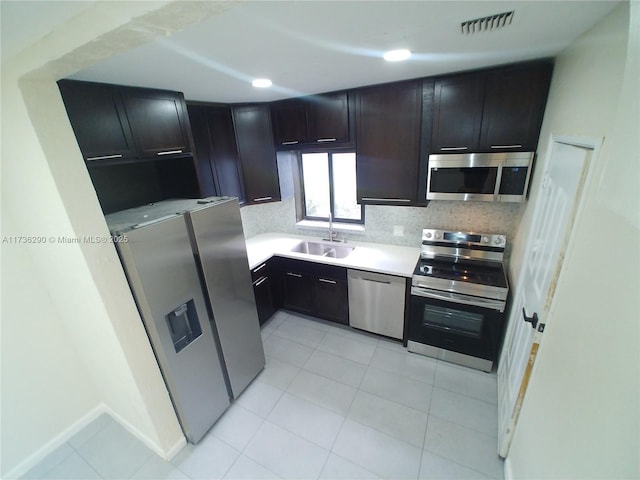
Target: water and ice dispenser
pixel 184 325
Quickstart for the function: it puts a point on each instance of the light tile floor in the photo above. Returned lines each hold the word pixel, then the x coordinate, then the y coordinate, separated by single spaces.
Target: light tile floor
pixel 332 403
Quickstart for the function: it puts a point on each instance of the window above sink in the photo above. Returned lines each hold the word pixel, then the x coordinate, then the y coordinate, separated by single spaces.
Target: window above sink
pixel 328 181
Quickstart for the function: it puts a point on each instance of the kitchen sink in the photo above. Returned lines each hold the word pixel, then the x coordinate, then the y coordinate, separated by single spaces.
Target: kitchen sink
pixel 323 249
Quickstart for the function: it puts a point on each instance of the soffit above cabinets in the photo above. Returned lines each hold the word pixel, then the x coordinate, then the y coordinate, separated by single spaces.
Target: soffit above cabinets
pixel 321 46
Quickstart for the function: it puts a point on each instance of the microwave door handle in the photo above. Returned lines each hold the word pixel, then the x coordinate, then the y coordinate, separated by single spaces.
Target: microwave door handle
pixel 457 298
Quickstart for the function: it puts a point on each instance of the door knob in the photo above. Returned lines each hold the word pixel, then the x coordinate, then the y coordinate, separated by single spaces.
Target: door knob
pixel 532 320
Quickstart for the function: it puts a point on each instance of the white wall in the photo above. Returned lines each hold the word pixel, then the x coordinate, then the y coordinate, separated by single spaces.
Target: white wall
pixel 581 415
pixel 72 339
pixel 41 369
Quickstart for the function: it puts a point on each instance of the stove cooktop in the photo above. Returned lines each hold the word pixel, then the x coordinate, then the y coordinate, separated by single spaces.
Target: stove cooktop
pixel 483 273
pixel 464 263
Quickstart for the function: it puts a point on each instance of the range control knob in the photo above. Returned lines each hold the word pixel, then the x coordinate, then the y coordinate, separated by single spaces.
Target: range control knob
pixel 485 239
pixel 428 234
pixel 438 235
pixel 497 240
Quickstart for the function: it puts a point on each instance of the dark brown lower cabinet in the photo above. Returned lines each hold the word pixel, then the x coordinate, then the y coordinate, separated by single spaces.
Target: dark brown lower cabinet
pixel 298 290
pixel 332 299
pixel 265 289
pixel 315 289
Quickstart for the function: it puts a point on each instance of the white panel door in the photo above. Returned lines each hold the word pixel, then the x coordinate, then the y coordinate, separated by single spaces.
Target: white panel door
pixel 565 171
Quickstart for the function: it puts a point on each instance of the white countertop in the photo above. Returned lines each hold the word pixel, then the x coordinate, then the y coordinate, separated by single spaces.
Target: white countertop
pixel 374 257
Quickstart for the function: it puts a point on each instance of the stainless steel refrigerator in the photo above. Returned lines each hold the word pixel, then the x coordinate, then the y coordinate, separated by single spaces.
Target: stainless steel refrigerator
pixel 186 263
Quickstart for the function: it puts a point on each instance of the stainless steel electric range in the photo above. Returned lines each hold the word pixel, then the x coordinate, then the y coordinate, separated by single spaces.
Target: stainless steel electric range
pixel 458 297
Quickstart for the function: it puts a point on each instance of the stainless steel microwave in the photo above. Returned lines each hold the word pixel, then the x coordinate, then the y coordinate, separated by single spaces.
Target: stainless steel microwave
pixel 480 177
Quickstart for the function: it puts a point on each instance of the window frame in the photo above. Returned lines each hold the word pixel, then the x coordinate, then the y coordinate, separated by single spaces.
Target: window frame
pixel 329 152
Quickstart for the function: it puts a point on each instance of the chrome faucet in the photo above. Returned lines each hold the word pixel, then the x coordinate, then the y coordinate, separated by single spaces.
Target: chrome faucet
pixel 332 232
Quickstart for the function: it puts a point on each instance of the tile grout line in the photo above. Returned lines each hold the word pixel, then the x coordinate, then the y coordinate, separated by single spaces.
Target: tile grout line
pixel 344 420
pixel 436 453
pixel 48 470
pixel 95 434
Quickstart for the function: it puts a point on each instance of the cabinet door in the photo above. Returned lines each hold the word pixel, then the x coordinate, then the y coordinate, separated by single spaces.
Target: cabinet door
pixel 289 123
pixel 98 120
pixel 215 150
pixel 328 118
pixel 224 150
pixel 513 108
pixel 158 121
pixel 257 153
pixel 298 291
pixel 264 298
pixel 388 142
pixel 457 113
pixel 202 149
pixel 332 299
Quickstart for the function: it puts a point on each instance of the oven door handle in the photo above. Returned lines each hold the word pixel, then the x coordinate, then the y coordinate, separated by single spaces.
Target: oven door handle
pixel 459 298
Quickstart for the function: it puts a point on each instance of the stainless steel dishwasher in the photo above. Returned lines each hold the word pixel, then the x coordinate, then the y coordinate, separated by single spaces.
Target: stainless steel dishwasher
pixel 376 302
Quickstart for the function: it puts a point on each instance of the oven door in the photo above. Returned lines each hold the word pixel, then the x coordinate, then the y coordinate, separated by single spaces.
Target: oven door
pixel 454 322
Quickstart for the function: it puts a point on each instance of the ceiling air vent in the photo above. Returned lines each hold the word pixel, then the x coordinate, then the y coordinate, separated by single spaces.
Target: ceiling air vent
pixel 486 24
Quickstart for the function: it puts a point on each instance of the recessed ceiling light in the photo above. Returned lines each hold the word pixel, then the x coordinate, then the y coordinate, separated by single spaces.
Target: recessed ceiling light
pixel 397 55
pixel 261 83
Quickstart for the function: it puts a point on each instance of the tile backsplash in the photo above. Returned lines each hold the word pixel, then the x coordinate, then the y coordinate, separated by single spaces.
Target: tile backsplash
pixel 481 217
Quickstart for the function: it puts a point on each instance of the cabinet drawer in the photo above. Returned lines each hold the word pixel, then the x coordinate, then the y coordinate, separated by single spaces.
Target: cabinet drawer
pixel 260 271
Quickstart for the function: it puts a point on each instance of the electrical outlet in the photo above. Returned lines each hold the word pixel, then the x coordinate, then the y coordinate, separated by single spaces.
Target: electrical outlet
pixel 398 231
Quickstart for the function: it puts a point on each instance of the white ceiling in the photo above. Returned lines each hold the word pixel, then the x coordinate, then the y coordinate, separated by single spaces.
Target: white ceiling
pixel 319 46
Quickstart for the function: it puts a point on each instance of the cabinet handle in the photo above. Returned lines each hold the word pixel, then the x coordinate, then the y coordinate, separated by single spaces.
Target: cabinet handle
pixel 291 274
pixel 104 157
pixel 448 149
pixel 262 199
pixel 259 268
pixel 324 280
pixel 375 199
pixel 292 142
pixel 169 152
pixel 260 281
pixel 326 140
pixel 506 146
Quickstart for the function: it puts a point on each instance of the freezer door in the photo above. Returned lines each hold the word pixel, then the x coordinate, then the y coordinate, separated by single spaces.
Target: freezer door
pixel 218 242
pixel 159 264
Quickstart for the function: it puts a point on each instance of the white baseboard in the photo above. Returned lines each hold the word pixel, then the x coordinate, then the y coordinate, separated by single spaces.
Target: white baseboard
pixel 63 437
pixel 173 450
pixel 508 474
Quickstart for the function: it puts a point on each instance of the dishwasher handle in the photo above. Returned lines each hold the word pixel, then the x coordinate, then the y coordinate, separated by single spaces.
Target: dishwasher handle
pixel 387 282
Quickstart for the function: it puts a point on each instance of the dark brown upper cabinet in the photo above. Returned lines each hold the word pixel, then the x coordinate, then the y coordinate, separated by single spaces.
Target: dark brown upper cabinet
pixel 158 120
pixel 115 128
pixel 312 121
pixel 388 143
pixel 328 118
pixel 490 111
pixel 457 114
pixel 99 120
pixel 215 150
pixel 256 153
pixel 113 123
pixel 514 105
pixel 289 119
